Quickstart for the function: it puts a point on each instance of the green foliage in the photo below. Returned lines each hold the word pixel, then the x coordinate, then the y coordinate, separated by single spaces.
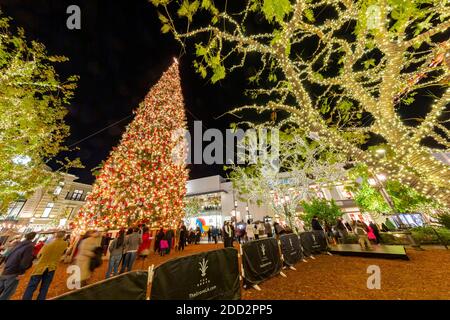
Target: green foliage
pixel 421 235
pixel 188 9
pixel 405 198
pixel 276 10
pixel 444 220
pixel 210 58
pixel 32 110
pixel 324 209
pixel 370 199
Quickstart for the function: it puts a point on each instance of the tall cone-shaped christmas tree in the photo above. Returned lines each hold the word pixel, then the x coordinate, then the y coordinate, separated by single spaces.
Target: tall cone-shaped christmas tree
pixel 144 177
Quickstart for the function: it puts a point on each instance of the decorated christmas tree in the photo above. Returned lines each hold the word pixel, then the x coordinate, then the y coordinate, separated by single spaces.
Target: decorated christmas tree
pixel 144 178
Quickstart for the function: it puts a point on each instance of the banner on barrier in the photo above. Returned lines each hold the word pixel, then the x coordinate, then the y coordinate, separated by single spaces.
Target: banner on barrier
pixel 313 242
pixel 203 276
pixel 261 260
pixel 320 241
pixel 307 243
pixel 291 248
pixel 128 286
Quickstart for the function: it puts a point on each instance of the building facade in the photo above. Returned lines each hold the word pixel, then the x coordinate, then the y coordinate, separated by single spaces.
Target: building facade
pixel 218 202
pixel 49 207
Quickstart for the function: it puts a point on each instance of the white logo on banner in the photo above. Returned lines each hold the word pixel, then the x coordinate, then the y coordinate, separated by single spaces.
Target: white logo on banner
pixel 263 249
pixel 203 266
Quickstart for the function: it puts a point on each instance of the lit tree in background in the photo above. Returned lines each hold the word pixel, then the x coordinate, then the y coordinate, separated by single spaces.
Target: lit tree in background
pixel 340 68
pixel 303 169
pixel 144 178
pixel 33 103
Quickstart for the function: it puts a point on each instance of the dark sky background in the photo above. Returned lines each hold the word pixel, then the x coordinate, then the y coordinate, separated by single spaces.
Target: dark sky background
pixel 119 53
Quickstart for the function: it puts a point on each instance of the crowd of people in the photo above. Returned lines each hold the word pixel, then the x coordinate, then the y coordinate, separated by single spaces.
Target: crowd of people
pixel 18 257
pixel 128 245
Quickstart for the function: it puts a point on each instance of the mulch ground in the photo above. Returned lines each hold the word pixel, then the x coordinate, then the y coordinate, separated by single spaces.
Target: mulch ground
pixel 425 276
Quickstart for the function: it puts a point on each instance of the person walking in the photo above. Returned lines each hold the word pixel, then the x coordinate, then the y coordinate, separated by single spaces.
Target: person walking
pixel 249 231
pixel 44 270
pixel 144 247
pixel 209 234
pixel 376 232
pixel 215 234
pixel 256 231
pixel 342 230
pixel 17 262
pixel 163 245
pixel 116 250
pixel 361 233
pixel 183 235
pixel 86 252
pixel 227 235
pixel 268 229
pixel 159 237
pixel 370 234
pixel 132 242
pixel 169 238
pixel 279 230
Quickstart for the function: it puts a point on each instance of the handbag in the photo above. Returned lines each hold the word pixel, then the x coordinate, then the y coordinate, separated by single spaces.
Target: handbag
pixel 164 244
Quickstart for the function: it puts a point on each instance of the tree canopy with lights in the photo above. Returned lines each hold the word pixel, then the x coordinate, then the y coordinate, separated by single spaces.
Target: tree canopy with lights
pixel 297 171
pixel 144 178
pixel 33 103
pixel 347 70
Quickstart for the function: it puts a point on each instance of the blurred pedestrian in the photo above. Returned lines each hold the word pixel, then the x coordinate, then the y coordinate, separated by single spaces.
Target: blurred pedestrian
pixel 132 242
pixel 249 231
pixel 183 234
pixel 17 262
pixel 116 250
pixel 144 247
pixel 44 270
pixel 86 252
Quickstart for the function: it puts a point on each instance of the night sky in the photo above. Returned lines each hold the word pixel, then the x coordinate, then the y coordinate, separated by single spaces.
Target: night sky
pixel 119 53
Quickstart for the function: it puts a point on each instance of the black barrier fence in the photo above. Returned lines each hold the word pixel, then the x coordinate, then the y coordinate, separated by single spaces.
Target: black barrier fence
pixel 260 260
pixel 320 241
pixel 307 242
pixel 313 242
pixel 203 276
pixel 127 286
pixel 291 249
pixel 211 275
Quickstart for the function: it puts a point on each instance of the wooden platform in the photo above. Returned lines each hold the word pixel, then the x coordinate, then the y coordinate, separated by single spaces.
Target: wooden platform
pixel 378 251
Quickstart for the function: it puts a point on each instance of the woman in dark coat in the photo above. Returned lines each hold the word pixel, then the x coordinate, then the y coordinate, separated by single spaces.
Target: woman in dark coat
pixel 182 241
pixel 159 237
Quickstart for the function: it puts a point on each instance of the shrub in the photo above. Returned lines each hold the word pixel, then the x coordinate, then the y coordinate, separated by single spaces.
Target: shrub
pixel 324 209
pixel 426 235
pixel 444 220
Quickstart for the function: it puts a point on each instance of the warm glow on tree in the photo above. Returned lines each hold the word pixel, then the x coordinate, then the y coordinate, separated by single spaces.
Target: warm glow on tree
pixel 141 181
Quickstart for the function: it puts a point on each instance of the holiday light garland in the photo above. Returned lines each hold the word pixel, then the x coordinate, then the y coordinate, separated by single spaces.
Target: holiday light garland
pixel 384 51
pixel 142 181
